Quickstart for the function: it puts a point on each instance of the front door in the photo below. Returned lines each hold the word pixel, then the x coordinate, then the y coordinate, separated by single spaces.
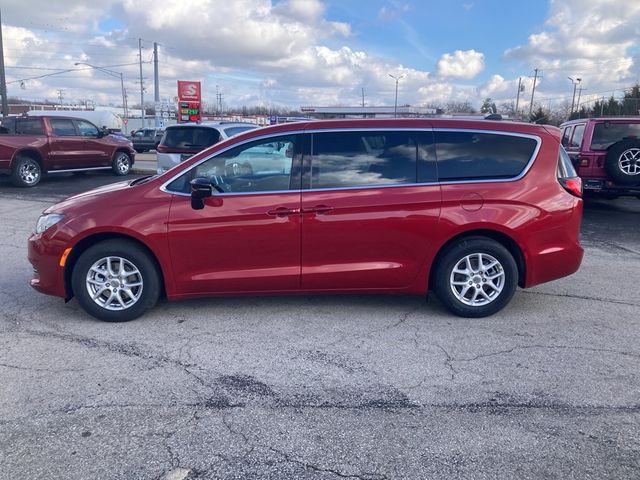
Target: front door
pixel 247 237
pixel 367 222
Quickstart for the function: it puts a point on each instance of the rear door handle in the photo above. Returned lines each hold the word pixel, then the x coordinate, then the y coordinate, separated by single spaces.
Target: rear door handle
pixel 318 209
pixel 283 211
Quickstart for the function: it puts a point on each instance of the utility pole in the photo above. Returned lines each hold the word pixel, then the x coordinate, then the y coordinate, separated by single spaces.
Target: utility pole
pixel 575 82
pixel 533 91
pixel 3 80
pixel 602 107
pixel 579 95
pixel 60 95
pixel 363 97
pixel 518 95
pixel 141 81
pixel 156 84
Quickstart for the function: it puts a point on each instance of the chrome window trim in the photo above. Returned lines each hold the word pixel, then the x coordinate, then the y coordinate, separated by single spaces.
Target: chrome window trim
pixel 528 166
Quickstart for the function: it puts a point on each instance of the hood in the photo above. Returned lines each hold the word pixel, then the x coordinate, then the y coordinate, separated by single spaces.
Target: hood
pixel 103 193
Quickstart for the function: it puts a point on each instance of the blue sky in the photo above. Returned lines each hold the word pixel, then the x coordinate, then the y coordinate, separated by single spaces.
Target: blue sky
pixel 323 52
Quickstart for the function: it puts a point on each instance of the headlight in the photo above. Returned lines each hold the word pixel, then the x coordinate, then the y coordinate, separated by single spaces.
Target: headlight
pixel 47 221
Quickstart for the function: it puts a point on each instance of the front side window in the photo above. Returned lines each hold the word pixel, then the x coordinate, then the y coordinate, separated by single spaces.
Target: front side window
pixel 606 134
pixel 465 155
pixel 578 134
pixel 63 127
pixel 358 159
pixel 261 166
pixel 87 129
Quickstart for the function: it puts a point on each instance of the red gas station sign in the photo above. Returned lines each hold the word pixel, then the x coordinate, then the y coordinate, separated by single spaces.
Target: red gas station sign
pixel 189 101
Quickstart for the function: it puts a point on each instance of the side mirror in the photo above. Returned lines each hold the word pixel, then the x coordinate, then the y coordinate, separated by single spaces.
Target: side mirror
pixel 200 189
pixel 103 132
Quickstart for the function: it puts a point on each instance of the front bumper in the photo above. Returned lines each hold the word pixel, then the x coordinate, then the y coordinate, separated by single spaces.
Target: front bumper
pixel 48 275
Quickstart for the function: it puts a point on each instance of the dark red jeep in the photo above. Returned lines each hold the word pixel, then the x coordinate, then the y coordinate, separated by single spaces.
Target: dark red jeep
pixel 32 146
pixel 606 154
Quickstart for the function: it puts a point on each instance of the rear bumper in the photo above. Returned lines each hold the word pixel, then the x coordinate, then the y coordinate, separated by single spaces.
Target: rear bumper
pixel 552 254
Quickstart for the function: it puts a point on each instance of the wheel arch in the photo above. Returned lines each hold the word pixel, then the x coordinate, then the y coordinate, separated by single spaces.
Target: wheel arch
pixel 502 238
pixel 31 153
pixel 91 240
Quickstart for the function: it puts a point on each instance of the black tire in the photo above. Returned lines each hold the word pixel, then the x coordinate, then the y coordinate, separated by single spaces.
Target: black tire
pixel 137 267
pixel 623 162
pixel 505 273
pixel 121 164
pixel 26 172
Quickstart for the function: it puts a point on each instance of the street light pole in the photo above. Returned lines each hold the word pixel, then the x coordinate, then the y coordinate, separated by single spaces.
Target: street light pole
pixel 395 104
pixel 125 111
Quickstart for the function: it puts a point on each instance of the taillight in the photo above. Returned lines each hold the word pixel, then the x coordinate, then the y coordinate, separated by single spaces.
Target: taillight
pixel 573 185
pixel 161 148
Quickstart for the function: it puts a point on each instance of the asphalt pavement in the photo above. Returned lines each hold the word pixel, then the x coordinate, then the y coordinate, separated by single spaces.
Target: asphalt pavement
pixel 363 387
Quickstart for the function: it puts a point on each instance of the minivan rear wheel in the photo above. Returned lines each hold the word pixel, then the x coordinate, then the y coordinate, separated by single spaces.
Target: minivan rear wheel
pixel 476 277
pixel 116 281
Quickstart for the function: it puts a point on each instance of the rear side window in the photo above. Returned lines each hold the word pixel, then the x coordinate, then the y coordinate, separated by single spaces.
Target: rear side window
pixel 476 156
pixel 578 134
pixel 191 138
pixel 23 126
pixel 62 127
pixel 606 134
pixel 566 134
pixel 357 159
pixel 565 167
pixel 9 125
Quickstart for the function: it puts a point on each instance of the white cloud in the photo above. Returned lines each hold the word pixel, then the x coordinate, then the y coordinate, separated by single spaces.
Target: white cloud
pixel 462 64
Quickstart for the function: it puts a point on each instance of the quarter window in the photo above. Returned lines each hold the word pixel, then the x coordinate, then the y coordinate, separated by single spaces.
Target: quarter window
pixel 476 156
pixel 261 166
pixel 566 134
pixel 355 159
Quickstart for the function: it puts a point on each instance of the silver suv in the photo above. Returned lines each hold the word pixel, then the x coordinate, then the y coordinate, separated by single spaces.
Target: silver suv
pixel 180 142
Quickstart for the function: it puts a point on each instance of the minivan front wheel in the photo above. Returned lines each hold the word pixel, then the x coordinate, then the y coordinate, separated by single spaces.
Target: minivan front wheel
pixel 116 281
pixel 476 277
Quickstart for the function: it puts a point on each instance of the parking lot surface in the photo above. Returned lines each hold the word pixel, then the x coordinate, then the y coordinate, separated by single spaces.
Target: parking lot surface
pixel 363 387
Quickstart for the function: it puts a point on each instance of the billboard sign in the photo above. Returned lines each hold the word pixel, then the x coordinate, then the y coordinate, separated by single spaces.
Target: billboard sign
pixel 189 101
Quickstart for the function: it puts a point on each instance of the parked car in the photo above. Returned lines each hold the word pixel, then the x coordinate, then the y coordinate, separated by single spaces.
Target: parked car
pixel 469 209
pixel 605 153
pixel 146 139
pixel 180 142
pixel 33 146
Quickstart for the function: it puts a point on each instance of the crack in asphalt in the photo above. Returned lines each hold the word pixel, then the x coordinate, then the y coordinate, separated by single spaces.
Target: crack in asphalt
pixel 290 459
pixel 550 347
pixel 582 297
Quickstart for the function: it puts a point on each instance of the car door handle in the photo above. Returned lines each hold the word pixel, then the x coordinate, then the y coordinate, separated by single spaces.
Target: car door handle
pixel 318 209
pixel 283 211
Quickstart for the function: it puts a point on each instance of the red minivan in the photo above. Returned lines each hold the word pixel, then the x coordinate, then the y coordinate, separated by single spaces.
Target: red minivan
pixel 468 208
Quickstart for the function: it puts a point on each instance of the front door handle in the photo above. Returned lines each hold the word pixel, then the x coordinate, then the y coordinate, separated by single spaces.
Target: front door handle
pixel 318 209
pixel 283 211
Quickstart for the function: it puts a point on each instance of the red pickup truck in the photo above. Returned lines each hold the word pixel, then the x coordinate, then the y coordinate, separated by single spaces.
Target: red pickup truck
pixel 33 146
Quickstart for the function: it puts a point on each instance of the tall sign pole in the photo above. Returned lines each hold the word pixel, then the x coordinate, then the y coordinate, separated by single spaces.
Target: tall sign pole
pixel 3 80
pixel 141 81
pixel 156 84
